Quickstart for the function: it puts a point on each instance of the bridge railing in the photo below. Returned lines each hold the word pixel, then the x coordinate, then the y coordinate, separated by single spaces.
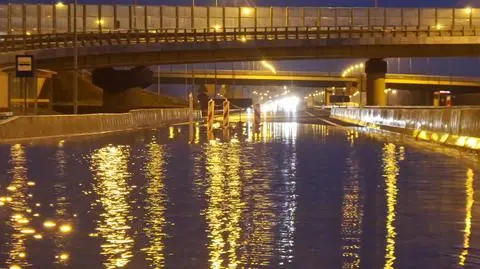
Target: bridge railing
pixel 59 18
pixel 65 40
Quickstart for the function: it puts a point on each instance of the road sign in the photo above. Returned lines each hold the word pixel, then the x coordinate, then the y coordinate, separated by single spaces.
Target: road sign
pixel 24 66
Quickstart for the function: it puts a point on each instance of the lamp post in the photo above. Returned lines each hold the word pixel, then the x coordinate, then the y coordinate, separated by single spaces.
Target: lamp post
pixel 75 60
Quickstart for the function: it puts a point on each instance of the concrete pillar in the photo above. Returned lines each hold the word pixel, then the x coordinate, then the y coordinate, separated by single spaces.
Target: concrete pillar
pixel 376 70
pixel 4 103
pixel 327 97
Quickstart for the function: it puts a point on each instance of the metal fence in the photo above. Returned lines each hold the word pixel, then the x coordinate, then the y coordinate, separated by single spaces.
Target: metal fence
pixel 58 18
pixel 65 40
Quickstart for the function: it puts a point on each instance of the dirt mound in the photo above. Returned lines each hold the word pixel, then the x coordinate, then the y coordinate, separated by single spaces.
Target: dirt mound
pixel 136 98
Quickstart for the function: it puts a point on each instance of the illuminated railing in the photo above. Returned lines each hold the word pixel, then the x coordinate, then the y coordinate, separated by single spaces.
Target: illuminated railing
pixel 58 18
pixel 241 35
pixel 457 126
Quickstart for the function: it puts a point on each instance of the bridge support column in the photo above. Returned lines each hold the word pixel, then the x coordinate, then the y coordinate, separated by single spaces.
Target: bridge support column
pixel 326 97
pixel 376 70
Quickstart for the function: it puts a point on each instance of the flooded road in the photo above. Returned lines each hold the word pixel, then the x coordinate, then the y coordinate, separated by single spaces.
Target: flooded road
pixel 292 195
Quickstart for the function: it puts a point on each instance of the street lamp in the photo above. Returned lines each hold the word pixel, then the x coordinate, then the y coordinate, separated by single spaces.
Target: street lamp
pixel 247 11
pixel 269 66
pixel 468 10
pixel 75 59
pixel 352 68
pixel 389 92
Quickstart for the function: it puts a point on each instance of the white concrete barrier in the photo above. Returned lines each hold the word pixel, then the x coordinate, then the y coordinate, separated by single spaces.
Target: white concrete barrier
pixel 456 126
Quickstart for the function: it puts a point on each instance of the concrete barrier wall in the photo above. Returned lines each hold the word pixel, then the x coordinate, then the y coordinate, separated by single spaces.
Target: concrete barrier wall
pixel 22 127
pixel 457 126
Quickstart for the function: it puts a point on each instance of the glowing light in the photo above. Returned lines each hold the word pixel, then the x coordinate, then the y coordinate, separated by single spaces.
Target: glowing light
pixel 31 183
pixel 444 138
pixel 247 11
pixel 286 104
pixel 65 228
pixel 223 223
pixel 468 216
pixel 15 267
pixel 217 27
pixel 269 66
pixel 64 256
pixel 59 5
pixel 461 141
pixel 22 255
pixel 171 132
pixel 155 205
pixel 49 224
pixel 352 68
pixel 11 188
pixel 394 91
pixel 38 236
pixel 243 39
pixel 438 26
pixel 61 143
pixel 23 221
pixel 468 10
pixel 100 21
pixel 471 142
pixel 28 33
pixel 17 216
pixel 391 169
pixel 110 171
pixel 28 231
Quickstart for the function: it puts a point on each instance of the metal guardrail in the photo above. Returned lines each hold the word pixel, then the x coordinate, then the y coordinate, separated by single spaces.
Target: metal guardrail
pixel 65 40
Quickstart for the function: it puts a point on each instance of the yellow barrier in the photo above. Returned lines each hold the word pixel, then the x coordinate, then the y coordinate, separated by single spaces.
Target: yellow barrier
pixel 447 126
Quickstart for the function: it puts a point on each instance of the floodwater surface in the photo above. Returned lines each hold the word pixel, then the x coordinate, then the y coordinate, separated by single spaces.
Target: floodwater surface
pixel 288 196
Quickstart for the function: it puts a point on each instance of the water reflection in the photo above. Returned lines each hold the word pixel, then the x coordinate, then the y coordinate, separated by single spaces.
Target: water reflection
pixel 224 209
pixel 61 205
pixel 19 223
pixel 259 218
pixel 391 170
pixel 352 212
pixel 249 192
pixel 110 168
pixel 289 203
pixel 156 203
pixel 468 216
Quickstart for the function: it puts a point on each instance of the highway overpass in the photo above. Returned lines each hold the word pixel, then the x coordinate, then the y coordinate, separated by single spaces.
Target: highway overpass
pixel 113 35
pixel 316 79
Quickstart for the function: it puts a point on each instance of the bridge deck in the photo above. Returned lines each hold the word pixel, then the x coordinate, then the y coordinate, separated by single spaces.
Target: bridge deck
pixel 317 79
